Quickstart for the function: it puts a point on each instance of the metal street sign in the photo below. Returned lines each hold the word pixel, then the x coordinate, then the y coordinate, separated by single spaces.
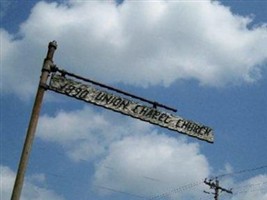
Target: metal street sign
pixel 93 95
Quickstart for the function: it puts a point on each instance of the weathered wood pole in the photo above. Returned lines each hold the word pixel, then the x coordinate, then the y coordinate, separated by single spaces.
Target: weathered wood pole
pixel 46 69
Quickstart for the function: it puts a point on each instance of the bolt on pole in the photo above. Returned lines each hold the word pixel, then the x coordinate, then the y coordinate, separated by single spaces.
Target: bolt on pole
pixel 46 69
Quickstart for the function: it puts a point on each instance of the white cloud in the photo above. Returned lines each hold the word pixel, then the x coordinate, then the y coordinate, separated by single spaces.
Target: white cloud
pixel 31 190
pixel 150 165
pixel 132 155
pixel 86 134
pixel 20 65
pixel 253 188
pixel 139 43
pixel 129 152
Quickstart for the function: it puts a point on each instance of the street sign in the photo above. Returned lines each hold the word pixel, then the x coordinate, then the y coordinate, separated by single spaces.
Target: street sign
pixel 91 94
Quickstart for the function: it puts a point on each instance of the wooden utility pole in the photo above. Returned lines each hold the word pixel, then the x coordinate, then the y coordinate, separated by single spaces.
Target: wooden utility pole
pixel 46 69
pixel 217 188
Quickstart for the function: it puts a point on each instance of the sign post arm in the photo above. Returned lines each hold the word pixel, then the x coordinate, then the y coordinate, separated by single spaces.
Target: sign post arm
pixel 46 69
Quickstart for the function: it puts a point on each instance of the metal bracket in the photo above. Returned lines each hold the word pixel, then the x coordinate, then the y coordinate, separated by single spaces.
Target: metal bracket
pixel 63 73
pixel 44 86
pixel 155 104
pixel 53 68
pixel 45 70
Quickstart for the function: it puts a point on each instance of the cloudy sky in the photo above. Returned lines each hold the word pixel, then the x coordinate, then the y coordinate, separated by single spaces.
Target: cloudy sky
pixel 206 58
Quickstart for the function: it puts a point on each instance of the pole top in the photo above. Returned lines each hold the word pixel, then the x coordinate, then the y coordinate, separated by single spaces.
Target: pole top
pixel 52 44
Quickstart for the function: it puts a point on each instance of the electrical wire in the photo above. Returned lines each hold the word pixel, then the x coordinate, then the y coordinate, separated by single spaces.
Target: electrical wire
pixel 119 191
pixel 177 190
pixel 242 171
pixel 251 191
pixel 190 186
pixel 251 185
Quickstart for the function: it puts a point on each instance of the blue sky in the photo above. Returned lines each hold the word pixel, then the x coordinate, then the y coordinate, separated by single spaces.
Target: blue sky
pixel 208 59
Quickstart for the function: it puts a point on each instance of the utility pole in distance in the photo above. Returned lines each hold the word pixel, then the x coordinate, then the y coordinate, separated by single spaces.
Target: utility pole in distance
pixel 217 188
pixel 46 69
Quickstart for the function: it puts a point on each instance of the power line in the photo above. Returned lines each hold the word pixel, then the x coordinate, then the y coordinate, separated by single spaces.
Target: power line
pixel 242 171
pixel 176 190
pixel 167 194
pixel 119 191
pixel 190 186
pixel 146 177
pixel 252 185
pixel 249 191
